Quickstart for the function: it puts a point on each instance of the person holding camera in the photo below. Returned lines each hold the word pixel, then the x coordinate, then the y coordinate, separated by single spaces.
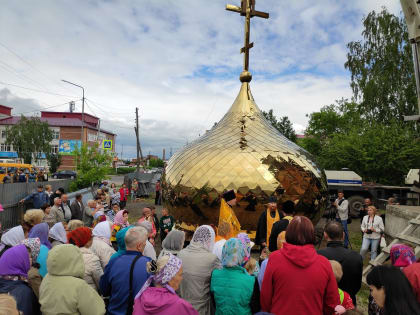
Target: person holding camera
pixel 372 228
pixel 342 215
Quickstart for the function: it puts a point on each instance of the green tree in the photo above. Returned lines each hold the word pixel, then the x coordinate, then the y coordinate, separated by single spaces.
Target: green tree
pixel 54 160
pixel 156 163
pixel 283 124
pixel 30 137
pixel 379 153
pixel 381 66
pixel 92 166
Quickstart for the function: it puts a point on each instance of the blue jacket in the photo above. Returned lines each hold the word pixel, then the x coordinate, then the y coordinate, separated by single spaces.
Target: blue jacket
pixel 38 199
pixel 115 281
pixel 25 298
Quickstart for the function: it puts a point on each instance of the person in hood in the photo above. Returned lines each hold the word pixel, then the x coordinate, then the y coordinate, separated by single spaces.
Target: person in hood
pixel 57 234
pixel 162 298
pixel 297 280
pixel 121 242
pixel 101 245
pixel 41 231
pixel 82 238
pixel 198 263
pixel 234 290
pixel 14 266
pixel 11 238
pixel 63 290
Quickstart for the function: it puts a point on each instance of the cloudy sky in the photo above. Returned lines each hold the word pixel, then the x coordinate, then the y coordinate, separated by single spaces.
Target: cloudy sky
pixel 178 61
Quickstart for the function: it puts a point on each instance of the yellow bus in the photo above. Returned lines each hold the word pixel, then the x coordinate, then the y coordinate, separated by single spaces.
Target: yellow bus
pixel 13 168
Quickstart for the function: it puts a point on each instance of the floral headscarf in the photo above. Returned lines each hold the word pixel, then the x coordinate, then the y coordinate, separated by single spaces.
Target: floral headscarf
pixel 246 241
pixel 164 275
pixel 204 236
pixel 234 253
pixel 41 231
pixel 402 255
pixel 34 244
pixel 119 218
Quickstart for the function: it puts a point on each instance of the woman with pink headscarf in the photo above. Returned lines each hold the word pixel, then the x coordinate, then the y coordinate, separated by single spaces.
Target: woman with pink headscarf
pixel 162 298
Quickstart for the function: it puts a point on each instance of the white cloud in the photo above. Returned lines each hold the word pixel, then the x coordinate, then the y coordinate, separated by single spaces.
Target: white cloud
pixel 178 61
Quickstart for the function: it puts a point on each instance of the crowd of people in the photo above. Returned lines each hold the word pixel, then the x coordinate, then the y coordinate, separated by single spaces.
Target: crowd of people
pixel 71 258
pixel 24 176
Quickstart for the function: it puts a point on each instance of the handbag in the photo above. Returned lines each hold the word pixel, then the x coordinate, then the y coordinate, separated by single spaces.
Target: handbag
pixel 383 242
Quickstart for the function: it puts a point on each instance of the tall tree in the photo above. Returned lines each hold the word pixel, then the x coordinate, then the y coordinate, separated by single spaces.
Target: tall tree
pixel 381 66
pixel 54 160
pixel 283 124
pixel 30 138
pixel 91 164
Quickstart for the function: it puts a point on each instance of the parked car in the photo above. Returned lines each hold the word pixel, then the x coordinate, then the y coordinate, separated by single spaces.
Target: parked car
pixel 64 174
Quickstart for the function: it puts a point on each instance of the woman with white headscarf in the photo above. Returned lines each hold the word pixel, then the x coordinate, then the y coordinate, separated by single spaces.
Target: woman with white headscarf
pixel 198 263
pixel 11 238
pixel 166 275
pixel 101 244
pixel 57 234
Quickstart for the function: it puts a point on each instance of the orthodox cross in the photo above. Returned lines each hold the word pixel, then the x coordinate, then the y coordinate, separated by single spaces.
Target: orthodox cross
pixel 247 9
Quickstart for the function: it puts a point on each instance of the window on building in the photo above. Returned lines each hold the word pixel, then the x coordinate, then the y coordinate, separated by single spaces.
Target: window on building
pixel 5 148
pixel 56 134
pixel 54 149
pixel 3 134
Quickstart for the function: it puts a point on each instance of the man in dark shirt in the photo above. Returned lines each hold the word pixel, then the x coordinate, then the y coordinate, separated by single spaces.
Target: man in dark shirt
pixel 351 262
pixel 288 208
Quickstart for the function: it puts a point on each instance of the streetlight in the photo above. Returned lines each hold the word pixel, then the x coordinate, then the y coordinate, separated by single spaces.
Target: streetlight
pixel 83 106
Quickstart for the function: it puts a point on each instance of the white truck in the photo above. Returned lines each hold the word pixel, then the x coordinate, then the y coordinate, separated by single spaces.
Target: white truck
pixel 355 190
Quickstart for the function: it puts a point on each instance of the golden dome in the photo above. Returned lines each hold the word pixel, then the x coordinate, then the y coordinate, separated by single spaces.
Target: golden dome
pixel 246 153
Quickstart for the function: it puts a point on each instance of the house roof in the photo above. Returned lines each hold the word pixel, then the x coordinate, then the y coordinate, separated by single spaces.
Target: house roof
pixel 54 122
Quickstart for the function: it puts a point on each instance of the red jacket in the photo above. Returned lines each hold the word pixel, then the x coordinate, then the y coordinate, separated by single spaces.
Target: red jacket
pixel 299 281
pixel 124 192
pixel 412 273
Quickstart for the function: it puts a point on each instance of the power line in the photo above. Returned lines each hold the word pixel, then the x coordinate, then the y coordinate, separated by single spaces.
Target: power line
pixel 42 109
pixel 23 76
pixel 26 88
pixel 33 67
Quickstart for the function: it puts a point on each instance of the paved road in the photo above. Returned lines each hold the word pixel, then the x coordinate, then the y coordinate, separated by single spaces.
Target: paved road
pixel 117 179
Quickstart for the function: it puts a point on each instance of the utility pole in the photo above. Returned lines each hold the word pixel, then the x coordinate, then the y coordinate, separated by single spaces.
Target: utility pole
pixel 136 129
pixel 83 107
pixel 97 134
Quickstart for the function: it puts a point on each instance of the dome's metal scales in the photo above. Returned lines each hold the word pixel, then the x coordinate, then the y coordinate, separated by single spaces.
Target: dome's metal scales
pixel 246 153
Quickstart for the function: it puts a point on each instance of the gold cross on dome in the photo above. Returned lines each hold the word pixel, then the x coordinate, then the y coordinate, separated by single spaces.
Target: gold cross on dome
pixel 247 9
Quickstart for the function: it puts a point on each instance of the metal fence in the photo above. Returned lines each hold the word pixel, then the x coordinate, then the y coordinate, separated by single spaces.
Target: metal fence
pixel 146 181
pixel 10 194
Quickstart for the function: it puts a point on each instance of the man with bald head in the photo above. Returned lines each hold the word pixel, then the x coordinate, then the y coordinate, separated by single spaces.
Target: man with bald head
pixel 351 261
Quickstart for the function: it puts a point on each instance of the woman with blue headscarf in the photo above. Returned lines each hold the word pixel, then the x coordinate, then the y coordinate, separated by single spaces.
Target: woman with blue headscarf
pixel 41 231
pixel 233 289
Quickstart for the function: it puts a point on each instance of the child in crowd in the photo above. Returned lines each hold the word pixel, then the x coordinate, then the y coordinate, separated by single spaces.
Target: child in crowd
pixel 345 299
pixel 166 223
